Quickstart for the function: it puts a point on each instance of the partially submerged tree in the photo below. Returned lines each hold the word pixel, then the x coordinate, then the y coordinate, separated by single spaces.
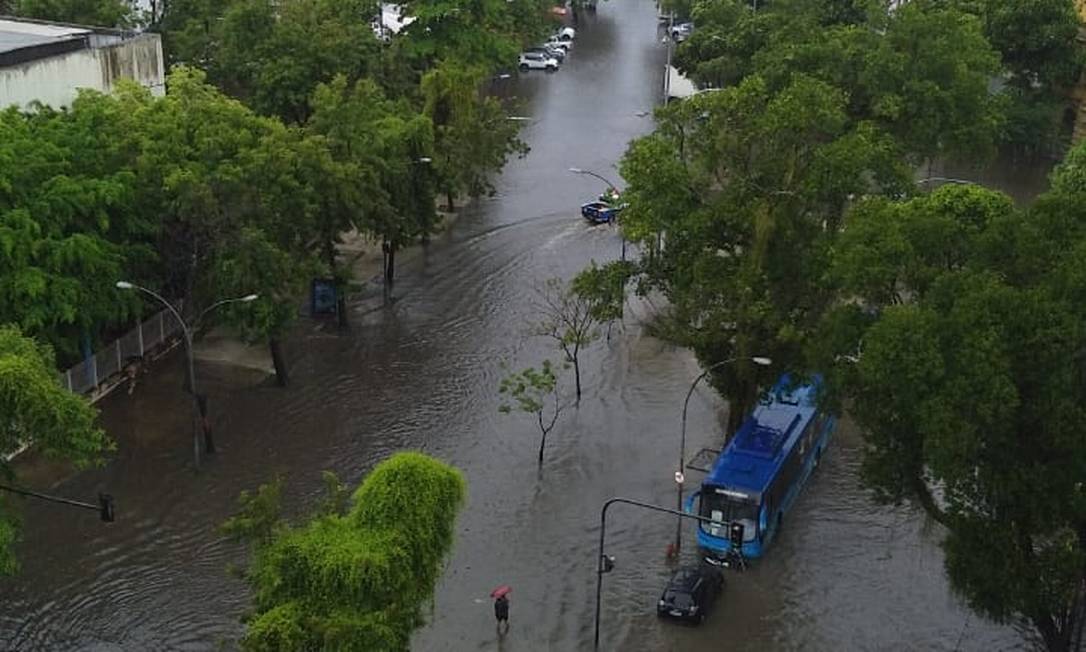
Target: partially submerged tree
pixel 38 412
pixel 570 320
pixel 531 391
pixel 970 383
pixel 604 288
pixel 353 580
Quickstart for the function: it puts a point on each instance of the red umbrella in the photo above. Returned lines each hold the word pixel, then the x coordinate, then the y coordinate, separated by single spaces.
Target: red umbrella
pixel 500 591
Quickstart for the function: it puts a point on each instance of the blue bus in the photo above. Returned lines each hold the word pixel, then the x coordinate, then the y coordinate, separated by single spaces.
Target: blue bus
pixel 761 471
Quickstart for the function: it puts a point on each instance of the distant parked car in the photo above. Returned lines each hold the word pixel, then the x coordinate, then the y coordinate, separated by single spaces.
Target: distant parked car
pixel 681 32
pixel 690 593
pixel 566 34
pixel 553 52
pixel 555 42
pixel 538 61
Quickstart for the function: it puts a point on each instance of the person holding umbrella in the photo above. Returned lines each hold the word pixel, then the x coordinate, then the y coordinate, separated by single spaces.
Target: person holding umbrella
pixel 501 606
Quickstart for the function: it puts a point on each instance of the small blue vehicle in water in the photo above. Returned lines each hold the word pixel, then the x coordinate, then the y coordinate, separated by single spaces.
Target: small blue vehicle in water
pixel 599 212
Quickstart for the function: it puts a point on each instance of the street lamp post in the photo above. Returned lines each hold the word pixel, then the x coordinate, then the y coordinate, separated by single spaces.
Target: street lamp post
pixel 605 564
pixel 679 479
pixel 198 408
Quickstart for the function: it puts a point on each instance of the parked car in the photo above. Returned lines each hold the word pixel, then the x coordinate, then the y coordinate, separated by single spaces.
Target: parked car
pixel 690 593
pixel 555 42
pixel 681 32
pixel 553 52
pixel 566 34
pixel 538 61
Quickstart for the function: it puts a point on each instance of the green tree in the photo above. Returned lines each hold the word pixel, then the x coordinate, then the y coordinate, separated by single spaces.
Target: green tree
pixel 749 188
pixel 920 72
pixel 39 412
pixel 70 221
pixel 356 580
pixel 472 136
pixel 482 33
pixel 969 384
pixel 273 55
pixel 569 319
pixel 604 289
pixel 106 13
pixel 529 391
pixel 388 148
pixel 1036 40
pixel 198 156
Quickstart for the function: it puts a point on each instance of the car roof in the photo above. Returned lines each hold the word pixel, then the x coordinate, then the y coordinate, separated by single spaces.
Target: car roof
pixel 686 578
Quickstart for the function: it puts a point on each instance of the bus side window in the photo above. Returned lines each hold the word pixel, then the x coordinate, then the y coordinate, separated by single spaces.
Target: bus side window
pixel 762 520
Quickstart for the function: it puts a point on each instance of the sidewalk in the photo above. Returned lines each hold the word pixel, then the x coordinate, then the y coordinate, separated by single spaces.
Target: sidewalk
pixel 360 252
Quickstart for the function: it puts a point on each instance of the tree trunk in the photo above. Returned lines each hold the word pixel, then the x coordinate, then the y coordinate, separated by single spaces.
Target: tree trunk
pixel 740 405
pixel 577 375
pixel 277 361
pixel 736 415
pixel 451 201
pixel 390 266
pixel 542 443
pixel 1055 640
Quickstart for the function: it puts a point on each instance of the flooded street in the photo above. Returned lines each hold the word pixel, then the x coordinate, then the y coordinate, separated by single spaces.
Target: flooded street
pixel 423 373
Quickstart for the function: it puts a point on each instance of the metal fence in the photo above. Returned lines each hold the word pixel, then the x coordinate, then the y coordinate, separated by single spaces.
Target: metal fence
pixel 105 365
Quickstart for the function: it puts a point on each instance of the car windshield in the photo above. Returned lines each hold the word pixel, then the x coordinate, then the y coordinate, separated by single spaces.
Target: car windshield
pixel 723 510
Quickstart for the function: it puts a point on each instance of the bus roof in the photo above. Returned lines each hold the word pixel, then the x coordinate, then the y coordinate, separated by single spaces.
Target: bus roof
pixel 754 455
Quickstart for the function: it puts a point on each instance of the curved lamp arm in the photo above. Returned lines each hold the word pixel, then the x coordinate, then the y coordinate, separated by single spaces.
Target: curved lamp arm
pixel 593 174
pixel 125 285
pixel 222 302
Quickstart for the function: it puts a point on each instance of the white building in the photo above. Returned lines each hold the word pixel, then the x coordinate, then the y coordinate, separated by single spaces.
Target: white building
pixel 49 62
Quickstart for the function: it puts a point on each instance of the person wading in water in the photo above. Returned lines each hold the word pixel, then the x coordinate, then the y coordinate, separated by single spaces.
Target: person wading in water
pixel 501 612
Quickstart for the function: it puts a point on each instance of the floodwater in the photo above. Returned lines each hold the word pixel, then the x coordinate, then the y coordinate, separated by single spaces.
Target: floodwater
pixel 423 373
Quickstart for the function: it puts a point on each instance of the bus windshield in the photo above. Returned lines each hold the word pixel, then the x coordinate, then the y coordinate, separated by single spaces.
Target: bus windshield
pixel 725 509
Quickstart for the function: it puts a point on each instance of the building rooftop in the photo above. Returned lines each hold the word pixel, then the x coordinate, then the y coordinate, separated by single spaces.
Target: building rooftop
pixel 23 40
pixel 17 34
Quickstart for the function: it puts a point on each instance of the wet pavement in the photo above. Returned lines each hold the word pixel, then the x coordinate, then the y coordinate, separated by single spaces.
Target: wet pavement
pixel 423 373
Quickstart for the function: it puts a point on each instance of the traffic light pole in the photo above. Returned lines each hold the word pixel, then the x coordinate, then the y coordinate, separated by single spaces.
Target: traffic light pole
pixel 104 506
pixel 605 564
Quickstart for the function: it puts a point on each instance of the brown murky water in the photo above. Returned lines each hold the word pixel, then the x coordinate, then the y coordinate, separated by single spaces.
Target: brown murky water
pixel 423 373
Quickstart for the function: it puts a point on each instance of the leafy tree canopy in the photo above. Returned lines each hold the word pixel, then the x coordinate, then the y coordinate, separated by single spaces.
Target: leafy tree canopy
pixel 920 72
pixel 353 580
pixel 969 381
pixel 104 13
pixel 749 186
pixel 39 412
pixel 70 220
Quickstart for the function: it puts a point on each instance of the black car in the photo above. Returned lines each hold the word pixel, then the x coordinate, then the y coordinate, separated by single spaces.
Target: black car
pixel 690 593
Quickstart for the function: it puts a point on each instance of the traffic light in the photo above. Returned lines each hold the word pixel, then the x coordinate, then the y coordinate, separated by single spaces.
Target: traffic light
pixel 105 507
pixel 735 534
pixel 607 563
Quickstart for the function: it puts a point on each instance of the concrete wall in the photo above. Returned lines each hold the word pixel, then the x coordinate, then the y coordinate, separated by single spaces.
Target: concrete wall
pixel 55 80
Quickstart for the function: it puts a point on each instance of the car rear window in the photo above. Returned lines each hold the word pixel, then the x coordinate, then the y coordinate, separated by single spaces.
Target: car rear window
pixel 679 599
